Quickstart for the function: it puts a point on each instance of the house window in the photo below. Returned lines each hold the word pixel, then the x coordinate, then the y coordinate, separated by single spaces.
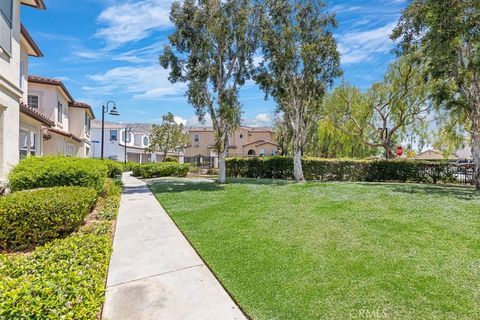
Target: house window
pixel 88 124
pixel 241 135
pixel 274 152
pixel 6 17
pixel 59 112
pixel 69 150
pixel 145 141
pixel 196 138
pixel 33 101
pixel 27 143
pixel 113 135
pixel 129 137
pixel 262 152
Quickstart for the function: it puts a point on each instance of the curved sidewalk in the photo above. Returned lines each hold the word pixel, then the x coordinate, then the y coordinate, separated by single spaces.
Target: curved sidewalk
pixel 154 272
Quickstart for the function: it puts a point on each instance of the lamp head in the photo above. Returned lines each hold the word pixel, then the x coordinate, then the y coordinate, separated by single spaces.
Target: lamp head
pixel 114 111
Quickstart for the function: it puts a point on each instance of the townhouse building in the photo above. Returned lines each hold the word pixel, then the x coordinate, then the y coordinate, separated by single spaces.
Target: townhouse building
pixel 245 141
pixel 121 144
pixel 20 126
pixel 70 133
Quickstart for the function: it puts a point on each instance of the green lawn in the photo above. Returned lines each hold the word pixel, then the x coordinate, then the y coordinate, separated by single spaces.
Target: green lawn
pixel 335 250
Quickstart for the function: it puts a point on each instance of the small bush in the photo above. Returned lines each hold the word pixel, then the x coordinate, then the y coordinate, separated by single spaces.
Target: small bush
pixel 161 169
pixel 342 170
pixel 130 165
pixel 171 159
pixel 35 217
pixel 114 168
pixel 53 171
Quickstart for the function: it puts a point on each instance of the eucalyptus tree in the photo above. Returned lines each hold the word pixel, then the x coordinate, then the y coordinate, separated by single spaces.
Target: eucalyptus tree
pixel 448 35
pixel 211 50
pixel 300 62
pixel 378 117
pixel 168 136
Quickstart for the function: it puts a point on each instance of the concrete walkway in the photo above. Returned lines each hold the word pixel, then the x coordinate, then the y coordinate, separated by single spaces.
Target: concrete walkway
pixel 154 272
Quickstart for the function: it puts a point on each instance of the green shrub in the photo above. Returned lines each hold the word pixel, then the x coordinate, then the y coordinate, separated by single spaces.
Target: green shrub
pixel 171 159
pixel 64 279
pixel 35 217
pixel 114 168
pixel 342 170
pixel 53 171
pixel 130 165
pixel 161 169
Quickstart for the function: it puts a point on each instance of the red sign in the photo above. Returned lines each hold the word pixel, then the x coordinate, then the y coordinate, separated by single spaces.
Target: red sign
pixel 399 151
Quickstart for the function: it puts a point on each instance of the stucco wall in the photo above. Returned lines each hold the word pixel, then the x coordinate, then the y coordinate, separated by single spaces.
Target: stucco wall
pixel 239 138
pixel 49 96
pixel 10 93
pixel 57 143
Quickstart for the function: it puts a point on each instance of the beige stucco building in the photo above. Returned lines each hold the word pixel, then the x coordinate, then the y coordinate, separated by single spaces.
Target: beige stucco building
pixel 246 141
pixel 70 134
pixel 20 126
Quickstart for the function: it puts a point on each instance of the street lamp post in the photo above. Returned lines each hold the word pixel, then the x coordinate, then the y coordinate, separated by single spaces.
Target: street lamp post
pixel 113 112
pixel 128 129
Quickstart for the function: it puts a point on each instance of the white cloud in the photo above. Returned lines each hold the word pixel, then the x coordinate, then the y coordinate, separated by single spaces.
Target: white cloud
pixel 360 46
pixel 180 120
pixel 260 120
pixel 143 82
pixel 133 20
pixel 193 122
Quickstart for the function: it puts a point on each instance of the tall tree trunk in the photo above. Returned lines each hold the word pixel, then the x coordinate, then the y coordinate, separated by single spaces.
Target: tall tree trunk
pixel 476 143
pixel 297 164
pixel 297 145
pixel 165 155
pixel 222 172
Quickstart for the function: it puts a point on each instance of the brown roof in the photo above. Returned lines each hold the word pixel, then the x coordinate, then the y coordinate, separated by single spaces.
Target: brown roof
pixel 260 142
pixel 65 134
pixel 39 4
pixel 33 46
pixel 51 82
pixel 83 106
pixel 267 142
pixel 255 129
pixel 35 114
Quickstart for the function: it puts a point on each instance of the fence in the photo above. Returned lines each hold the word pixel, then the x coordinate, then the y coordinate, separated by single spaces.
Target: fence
pixel 201 161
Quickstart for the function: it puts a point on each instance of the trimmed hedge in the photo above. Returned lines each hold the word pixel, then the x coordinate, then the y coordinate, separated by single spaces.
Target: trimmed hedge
pixel 342 170
pixel 65 278
pixel 161 169
pixel 35 217
pixel 54 171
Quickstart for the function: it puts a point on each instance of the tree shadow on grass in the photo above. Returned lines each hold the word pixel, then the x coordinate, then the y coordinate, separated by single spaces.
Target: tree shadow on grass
pixel 271 182
pixel 174 185
pixel 181 185
pixel 459 192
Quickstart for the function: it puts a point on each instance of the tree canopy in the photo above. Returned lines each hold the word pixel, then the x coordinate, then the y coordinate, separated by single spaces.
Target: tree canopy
pixel 447 36
pixel 168 136
pixel 378 117
pixel 212 51
pixel 300 62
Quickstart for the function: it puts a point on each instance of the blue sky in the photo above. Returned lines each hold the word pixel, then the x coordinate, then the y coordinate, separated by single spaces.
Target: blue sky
pixel 108 50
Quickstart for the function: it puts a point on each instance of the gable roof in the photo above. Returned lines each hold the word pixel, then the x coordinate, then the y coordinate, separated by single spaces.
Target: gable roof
pixel 33 49
pixel 39 4
pixel 35 114
pixel 82 105
pixel 51 82
pixel 260 142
